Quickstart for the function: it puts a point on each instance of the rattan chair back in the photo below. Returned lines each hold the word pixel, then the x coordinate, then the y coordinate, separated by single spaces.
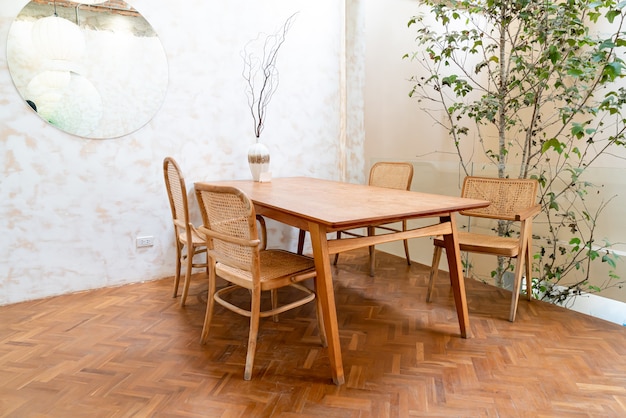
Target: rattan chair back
pixel 176 191
pixel 508 197
pixel 229 222
pixel 392 175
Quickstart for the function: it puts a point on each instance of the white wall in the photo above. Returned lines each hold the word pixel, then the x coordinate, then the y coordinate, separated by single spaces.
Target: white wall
pixel 73 207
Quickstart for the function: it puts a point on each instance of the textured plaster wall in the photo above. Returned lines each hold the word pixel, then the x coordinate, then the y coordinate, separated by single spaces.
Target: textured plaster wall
pixel 72 208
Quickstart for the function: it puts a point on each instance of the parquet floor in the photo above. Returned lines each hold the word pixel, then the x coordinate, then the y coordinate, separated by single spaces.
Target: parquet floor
pixel 132 351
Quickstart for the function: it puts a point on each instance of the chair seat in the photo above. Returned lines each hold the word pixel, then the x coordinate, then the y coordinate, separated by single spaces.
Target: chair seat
pixel 195 237
pixel 485 244
pixel 277 268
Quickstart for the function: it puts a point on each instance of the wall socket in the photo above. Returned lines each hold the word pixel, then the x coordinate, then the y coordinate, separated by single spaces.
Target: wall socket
pixel 146 241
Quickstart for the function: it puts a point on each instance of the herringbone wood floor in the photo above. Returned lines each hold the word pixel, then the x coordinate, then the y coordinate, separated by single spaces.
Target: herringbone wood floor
pixel 133 352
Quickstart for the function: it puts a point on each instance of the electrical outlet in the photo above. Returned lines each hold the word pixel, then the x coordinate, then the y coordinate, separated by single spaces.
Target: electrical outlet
pixel 147 241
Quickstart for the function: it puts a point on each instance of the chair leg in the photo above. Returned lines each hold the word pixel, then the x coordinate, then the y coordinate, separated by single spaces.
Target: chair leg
pixel 529 273
pixel 406 244
pixel 523 260
pixel 274 298
pixel 337 255
pixel 372 250
pixel 434 271
pixel 189 266
pixel 209 307
pixel 516 286
pixel 301 236
pixel 178 267
pixel 255 310
pixel 320 317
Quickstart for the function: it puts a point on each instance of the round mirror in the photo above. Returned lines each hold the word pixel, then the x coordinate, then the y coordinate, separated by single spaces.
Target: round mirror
pixel 95 69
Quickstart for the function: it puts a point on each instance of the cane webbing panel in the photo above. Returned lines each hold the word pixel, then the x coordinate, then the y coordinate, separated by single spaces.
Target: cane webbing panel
pixel 507 196
pixel 175 188
pixel 229 214
pixel 392 175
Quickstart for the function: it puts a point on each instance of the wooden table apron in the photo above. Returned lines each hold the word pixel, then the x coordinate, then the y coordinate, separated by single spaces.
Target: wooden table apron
pixel 323 206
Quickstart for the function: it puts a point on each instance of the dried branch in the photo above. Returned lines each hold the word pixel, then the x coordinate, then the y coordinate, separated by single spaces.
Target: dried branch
pixel 260 56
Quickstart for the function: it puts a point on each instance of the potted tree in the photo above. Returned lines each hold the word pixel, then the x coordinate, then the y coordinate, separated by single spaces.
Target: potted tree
pixel 537 84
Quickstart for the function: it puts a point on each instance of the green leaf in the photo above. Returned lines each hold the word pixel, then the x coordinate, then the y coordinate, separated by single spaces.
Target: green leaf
pixel 575 72
pixel 578 130
pixel 448 81
pixel 554 144
pixel 554 54
pixel 574 241
pixel 606 258
pixel 607 44
pixel 612 14
pixel 613 70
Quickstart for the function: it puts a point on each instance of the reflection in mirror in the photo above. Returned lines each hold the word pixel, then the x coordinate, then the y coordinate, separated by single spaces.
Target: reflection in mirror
pixel 95 69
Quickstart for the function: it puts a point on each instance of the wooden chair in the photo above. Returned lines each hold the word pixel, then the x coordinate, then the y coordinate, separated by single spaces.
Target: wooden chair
pixel 236 255
pixel 511 200
pixel 189 243
pixel 392 175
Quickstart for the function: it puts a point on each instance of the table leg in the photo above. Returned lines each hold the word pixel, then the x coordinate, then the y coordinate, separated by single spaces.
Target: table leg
pixel 326 294
pixel 456 275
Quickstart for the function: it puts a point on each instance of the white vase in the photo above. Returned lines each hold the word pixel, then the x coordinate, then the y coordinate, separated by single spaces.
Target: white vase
pixel 258 159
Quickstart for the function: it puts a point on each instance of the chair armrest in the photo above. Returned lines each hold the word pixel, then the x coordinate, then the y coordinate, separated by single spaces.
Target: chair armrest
pixel 528 213
pixel 263 230
pixel 228 238
pixel 189 228
pixel 194 230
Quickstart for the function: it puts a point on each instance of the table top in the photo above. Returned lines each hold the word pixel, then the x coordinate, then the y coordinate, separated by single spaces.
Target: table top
pixel 341 205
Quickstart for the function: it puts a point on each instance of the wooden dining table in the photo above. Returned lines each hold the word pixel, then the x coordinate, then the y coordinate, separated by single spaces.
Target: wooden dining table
pixel 322 206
